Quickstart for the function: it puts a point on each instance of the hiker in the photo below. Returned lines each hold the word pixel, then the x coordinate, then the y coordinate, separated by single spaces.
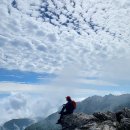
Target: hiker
pixel 68 108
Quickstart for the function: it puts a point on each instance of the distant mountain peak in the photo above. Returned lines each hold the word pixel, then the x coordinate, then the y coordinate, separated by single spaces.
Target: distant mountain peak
pixel 17 123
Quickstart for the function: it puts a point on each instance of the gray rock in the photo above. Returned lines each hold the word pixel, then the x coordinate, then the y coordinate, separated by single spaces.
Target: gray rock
pixel 105 116
pixel 80 121
pixel 97 121
pixel 125 124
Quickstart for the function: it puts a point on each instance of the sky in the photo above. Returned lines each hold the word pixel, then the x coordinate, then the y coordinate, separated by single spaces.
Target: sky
pixel 51 49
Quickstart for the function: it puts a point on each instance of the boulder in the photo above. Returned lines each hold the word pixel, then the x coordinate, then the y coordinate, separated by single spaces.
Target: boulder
pixel 76 120
pixel 98 121
pixel 125 124
pixel 105 116
pixel 80 121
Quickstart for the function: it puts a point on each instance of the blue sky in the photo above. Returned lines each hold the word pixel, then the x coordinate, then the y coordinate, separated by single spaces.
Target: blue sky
pixel 25 76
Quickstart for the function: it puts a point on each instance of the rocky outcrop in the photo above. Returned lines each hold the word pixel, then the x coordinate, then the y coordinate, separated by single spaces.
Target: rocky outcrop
pixel 98 121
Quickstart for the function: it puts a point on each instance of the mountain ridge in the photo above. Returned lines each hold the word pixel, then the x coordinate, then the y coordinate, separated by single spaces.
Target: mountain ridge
pixel 87 106
pixel 19 124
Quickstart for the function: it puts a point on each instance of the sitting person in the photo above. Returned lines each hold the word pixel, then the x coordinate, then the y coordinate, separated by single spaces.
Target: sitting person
pixel 68 108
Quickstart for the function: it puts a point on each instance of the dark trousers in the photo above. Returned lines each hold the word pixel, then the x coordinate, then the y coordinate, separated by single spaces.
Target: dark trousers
pixel 64 113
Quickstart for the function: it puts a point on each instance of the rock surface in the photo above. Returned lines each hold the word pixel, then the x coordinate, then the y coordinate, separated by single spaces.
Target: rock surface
pixel 97 121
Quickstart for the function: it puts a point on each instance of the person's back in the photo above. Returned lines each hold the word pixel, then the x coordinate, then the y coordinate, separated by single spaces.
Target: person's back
pixel 68 108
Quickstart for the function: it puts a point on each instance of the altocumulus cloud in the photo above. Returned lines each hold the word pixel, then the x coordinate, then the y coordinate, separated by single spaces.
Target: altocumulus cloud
pixel 85 33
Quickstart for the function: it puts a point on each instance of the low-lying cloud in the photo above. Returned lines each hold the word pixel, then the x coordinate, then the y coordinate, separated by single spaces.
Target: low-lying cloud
pixel 20 105
pixel 32 101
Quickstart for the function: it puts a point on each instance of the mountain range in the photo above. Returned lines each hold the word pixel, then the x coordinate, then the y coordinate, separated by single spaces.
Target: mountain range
pixel 17 124
pixel 87 106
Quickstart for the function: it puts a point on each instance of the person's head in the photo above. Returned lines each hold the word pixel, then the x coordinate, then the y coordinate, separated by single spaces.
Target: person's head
pixel 68 98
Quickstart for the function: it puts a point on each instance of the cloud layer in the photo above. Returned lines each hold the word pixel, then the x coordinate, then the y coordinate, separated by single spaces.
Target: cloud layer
pixel 32 101
pixel 19 105
pixel 48 36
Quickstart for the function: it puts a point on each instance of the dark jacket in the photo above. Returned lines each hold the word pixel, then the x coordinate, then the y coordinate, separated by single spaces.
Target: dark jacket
pixel 69 107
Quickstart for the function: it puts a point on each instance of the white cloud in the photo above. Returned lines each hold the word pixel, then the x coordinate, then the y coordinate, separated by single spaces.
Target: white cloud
pixel 117 70
pixel 24 98
pixel 20 105
pixel 63 18
pixel 28 43
pixel 98 82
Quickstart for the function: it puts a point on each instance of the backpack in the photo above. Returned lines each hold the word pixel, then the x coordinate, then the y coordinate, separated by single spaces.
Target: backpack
pixel 74 104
